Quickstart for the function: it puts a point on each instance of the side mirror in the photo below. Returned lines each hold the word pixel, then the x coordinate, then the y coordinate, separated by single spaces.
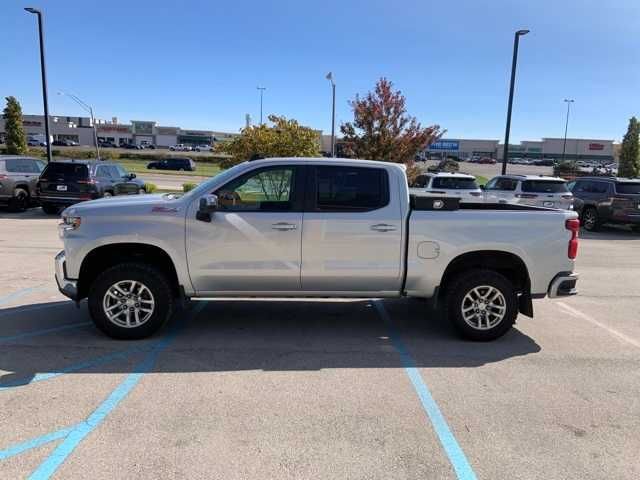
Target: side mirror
pixel 482 187
pixel 132 176
pixel 208 205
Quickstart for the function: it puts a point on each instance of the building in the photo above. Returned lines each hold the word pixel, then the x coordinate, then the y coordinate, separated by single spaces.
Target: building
pixel 138 132
pixel 461 148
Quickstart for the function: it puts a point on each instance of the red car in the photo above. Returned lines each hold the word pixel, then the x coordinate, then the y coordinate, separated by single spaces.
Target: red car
pixel 487 160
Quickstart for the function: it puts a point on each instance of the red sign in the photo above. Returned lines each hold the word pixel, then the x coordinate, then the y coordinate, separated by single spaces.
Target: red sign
pixel 596 146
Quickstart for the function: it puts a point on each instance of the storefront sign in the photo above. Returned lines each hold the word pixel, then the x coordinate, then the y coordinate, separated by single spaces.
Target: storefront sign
pixel 113 128
pixel 596 146
pixel 445 145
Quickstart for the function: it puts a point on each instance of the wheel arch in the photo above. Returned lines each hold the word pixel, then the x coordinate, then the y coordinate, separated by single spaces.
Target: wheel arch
pixel 105 256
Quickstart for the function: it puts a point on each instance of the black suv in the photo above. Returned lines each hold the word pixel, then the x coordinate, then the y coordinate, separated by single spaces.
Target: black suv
pixel 180 164
pixel 600 200
pixel 18 178
pixel 63 183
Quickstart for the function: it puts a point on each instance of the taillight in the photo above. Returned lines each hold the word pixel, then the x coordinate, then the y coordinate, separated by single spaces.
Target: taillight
pixel 526 195
pixel 3 177
pixel 573 225
pixel 87 182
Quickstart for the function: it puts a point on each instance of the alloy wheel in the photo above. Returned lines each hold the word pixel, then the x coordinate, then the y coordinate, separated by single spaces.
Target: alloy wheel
pixel 483 307
pixel 128 303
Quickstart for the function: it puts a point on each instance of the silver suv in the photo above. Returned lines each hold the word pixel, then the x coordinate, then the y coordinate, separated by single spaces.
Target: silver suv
pixel 18 178
pixel 535 190
pixel 459 185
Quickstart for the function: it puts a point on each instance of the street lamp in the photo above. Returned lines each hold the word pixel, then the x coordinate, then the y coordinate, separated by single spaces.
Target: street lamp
pixel 262 89
pixel 93 120
pixel 516 40
pixel 37 12
pixel 333 115
pixel 568 101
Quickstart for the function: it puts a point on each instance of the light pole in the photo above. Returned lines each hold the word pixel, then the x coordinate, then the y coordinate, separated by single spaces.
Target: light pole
pixel 568 101
pixel 37 12
pixel 262 89
pixel 516 41
pixel 93 120
pixel 333 114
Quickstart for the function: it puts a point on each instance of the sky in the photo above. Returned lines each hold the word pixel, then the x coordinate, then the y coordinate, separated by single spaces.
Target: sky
pixel 196 64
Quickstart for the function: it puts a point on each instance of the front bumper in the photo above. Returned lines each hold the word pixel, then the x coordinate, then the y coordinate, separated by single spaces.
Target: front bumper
pixel 67 287
pixel 563 285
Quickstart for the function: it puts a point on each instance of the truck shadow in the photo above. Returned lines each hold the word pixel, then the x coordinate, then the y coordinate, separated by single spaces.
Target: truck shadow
pixel 42 341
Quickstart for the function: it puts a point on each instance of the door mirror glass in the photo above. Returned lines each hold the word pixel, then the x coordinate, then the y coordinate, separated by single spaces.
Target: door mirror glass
pixel 132 176
pixel 208 205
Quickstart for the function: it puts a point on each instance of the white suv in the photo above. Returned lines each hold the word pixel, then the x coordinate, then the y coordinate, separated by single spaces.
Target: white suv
pixel 181 148
pixel 539 191
pixel 459 185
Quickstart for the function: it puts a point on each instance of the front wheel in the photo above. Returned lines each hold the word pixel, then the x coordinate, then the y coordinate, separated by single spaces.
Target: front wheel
pixel 20 200
pixel 482 305
pixel 590 220
pixel 130 301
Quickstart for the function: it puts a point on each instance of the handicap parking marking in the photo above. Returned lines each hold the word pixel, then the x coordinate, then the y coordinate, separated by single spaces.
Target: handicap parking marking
pixel 446 437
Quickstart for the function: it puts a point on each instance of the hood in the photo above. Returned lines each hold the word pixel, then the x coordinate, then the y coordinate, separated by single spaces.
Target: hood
pixel 125 205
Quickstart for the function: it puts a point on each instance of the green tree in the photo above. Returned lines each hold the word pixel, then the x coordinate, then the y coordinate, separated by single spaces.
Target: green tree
pixel 630 151
pixel 15 137
pixel 285 138
pixel 382 130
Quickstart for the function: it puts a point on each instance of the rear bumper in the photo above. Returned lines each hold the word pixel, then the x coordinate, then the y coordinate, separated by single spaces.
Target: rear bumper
pixel 67 287
pixel 65 200
pixel 563 285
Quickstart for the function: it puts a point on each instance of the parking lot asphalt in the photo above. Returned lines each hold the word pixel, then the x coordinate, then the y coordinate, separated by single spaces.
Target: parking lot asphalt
pixel 319 389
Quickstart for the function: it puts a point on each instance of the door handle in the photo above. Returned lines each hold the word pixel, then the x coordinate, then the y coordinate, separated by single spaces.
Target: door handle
pixel 383 227
pixel 284 226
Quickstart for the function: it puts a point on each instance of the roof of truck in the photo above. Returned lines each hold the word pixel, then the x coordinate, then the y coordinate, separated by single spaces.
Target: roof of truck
pixel 329 161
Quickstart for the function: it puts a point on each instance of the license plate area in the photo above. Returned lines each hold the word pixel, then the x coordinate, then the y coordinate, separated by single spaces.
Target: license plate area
pixel 548 204
pixel 61 188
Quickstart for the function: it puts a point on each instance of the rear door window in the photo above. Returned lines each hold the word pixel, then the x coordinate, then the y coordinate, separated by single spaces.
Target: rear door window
pixel 66 171
pixel 628 188
pixel 544 186
pixel 508 184
pixel 455 183
pixel 350 189
pixel 21 165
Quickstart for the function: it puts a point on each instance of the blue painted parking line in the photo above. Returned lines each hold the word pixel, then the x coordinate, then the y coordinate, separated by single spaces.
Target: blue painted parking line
pixel 20 293
pixel 445 435
pixel 45 331
pixel 35 442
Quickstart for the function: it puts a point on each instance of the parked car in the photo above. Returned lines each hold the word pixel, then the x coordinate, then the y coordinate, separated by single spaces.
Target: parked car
pixel 131 146
pixel 64 143
pixel 600 200
pixel 204 148
pixel 446 165
pixel 256 230
pixel 544 162
pixel 181 164
pixel 487 160
pixel 33 143
pixel 535 190
pixel 457 185
pixel 181 148
pixel 18 179
pixel 64 183
pixel 107 145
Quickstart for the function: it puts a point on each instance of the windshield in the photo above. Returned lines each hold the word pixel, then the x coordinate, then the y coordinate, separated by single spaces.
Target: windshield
pixel 628 188
pixel 455 183
pixel 71 171
pixel 544 186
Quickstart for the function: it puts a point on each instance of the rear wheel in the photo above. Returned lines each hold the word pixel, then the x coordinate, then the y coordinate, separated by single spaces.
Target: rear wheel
pixel 141 191
pixel 481 304
pixel 107 194
pixel 590 220
pixel 50 208
pixel 130 301
pixel 20 200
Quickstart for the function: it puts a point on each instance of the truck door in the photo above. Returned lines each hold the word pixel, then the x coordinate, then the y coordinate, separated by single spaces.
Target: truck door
pixel 352 235
pixel 252 243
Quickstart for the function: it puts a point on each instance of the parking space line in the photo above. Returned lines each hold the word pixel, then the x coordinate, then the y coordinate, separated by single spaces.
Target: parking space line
pixel 448 441
pixel 612 331
pixel 51 464
pixel 20 293
pixel 43 332
pixel 35 442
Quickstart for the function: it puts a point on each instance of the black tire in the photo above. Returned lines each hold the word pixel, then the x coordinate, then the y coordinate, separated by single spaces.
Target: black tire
pixel 50 209
pixel 142 191
pixel 153 279
pixel 464 284
pixel 590 220
pixel 107 194
pixel 20 200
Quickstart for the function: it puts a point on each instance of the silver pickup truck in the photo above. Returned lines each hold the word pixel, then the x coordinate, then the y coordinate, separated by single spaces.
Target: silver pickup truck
pixel 296 227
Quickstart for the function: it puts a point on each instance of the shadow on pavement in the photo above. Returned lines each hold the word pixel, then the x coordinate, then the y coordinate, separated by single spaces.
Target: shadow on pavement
pixel 245 335
pixel 34 213
pixel 611 232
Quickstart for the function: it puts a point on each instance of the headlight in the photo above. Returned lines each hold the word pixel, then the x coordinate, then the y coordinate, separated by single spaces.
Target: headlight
pixel 70 222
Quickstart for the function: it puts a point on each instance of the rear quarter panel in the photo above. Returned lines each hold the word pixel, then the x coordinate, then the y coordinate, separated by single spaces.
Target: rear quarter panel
pixel 539 238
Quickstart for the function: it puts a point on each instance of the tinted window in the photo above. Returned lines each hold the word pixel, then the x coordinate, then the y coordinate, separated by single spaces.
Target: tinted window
pixel 421 181
pixel 344 189
pixel 119 171
pixel 502 184
pixel 265 190
pixel 102 171
pixel 21 165
pixel 628 188
pixel 598 187
pixel 455 183
pixel 544 186
pixel 71 171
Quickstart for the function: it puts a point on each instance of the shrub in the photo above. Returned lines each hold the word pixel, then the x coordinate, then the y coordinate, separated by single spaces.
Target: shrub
pixel 150 187
pixel 188 186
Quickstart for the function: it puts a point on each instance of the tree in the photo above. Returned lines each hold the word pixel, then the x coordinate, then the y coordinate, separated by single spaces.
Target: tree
pixel 286 138
pixel 382 130
pixel 630 151
pixel 15 137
